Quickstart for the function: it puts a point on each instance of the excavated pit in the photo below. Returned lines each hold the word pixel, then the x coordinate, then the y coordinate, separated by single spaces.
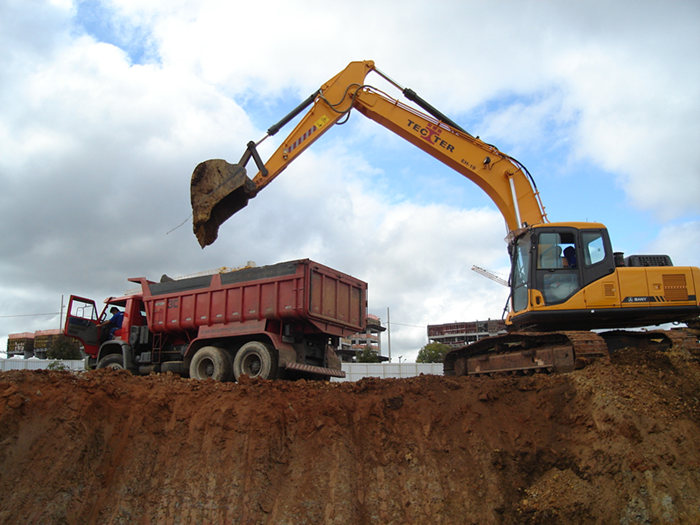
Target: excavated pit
pixel 615 442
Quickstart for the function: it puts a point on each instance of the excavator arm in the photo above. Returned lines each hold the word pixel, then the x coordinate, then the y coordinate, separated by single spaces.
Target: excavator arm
pixel 502 178
pixel 220 189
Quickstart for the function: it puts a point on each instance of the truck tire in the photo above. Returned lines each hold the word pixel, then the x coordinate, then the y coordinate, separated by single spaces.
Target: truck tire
pixel 113 361
pixel 211 362
pixel 255 359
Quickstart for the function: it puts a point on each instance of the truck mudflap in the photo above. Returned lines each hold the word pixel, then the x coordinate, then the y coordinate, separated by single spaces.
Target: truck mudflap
pixel 318 370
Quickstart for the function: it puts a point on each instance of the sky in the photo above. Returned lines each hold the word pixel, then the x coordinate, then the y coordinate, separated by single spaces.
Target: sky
pixel 106 107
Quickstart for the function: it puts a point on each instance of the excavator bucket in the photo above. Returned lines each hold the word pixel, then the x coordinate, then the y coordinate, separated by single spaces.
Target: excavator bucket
pixel 217 191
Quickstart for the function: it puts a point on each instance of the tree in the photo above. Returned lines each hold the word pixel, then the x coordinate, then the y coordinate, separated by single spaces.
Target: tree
pixel 432 353
pixel 367 355
pixel 63 347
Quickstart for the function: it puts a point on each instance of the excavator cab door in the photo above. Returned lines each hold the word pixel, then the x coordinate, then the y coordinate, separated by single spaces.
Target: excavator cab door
pixel 557 274
pixel 82 323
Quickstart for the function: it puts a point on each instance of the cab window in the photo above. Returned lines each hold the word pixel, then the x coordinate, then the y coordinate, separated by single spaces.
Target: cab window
pixel 520 274
pixel 557 266
pixel 556 250
pixel 593 248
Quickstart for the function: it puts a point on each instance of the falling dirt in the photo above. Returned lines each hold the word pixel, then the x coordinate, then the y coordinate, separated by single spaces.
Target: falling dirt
pixel 615 442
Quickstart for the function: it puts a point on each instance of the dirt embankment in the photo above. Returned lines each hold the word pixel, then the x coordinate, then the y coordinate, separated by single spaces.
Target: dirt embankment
pixel 612 443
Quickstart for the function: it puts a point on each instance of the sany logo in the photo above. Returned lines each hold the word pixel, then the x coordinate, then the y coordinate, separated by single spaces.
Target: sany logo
pixel 431 133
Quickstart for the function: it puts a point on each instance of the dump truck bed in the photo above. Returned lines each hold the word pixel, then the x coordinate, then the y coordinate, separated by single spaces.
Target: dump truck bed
pixel 332 301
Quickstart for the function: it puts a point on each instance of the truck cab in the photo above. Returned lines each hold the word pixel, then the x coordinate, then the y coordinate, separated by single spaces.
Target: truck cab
pixel 106 345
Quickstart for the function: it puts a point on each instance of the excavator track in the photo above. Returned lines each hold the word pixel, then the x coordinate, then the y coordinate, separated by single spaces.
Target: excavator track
pixel 528 352
pixel 680 340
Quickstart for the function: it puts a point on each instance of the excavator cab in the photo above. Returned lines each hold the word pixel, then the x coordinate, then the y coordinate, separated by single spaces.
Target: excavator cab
pixel 565 276
pixel 558 274
pixel 551 264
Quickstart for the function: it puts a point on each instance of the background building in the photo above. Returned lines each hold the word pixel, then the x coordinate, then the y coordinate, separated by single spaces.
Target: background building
pixel 20 344
pixel 462 333
pixel 350 346
pixel 35 344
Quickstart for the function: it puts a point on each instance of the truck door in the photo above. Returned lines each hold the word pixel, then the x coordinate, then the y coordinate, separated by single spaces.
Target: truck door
pixel 81 323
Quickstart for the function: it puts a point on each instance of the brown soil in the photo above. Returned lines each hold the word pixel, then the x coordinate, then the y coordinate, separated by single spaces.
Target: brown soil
pixel 615 442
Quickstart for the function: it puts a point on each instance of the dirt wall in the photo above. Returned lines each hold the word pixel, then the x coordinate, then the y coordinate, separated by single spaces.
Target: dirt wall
pixel 616 442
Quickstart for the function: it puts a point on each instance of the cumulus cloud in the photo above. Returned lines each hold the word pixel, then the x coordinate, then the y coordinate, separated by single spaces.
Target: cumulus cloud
pixel 106 107
pixel 682 240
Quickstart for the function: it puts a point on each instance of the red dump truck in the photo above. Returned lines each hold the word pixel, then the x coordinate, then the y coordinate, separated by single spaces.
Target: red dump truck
pixel 282 320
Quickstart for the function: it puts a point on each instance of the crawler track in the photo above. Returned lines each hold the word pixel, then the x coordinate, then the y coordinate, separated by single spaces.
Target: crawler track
pixel 557 351
pixel 677 339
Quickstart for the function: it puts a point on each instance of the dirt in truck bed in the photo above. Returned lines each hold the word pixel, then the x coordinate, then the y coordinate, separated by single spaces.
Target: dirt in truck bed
pixel 615 442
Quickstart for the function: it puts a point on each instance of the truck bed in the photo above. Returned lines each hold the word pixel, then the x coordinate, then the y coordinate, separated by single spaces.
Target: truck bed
pixel 302 289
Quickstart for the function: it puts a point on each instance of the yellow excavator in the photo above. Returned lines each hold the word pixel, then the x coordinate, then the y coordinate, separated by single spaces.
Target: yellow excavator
pixel 567 284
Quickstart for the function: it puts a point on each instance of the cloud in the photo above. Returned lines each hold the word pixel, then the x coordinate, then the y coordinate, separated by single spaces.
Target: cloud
pixel 102 121
pixel 95 161
pixel 633 121
pixel 594 75
pixel 682 240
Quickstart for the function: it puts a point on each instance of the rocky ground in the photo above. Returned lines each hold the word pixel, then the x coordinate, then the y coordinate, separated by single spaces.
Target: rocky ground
pixel 615 442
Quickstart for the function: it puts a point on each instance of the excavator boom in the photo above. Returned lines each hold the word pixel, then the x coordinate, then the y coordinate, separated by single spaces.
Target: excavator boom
pixel 220 189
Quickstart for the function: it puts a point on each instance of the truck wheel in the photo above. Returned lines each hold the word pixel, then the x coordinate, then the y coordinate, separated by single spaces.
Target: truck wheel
pixel 114 361
pixel 255 359
pixel 211 362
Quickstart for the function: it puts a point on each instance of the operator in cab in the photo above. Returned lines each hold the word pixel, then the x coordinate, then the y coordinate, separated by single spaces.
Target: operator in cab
pixel 114 322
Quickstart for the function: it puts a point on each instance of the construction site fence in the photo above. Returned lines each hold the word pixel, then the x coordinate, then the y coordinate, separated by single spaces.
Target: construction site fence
pixel 357 371
pixel 353 371
pixel 41 364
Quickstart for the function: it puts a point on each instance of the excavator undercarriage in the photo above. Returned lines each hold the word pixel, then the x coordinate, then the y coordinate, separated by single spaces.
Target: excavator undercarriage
pixel 529 352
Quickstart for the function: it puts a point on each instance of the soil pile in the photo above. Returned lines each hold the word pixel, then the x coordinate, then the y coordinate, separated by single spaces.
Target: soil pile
pixel 615 442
